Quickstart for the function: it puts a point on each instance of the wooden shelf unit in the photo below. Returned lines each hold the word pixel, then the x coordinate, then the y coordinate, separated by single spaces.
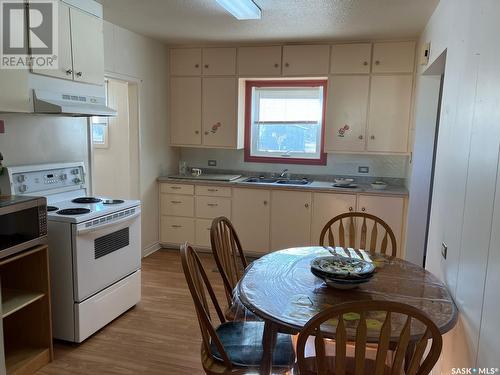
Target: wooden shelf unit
pixel 26 315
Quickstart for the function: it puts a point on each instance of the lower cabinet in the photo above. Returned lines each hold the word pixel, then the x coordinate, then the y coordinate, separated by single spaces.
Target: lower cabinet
pixel 251 215
pixel 202 232
pixel 177 229
pixel 290 219
pixel 325 207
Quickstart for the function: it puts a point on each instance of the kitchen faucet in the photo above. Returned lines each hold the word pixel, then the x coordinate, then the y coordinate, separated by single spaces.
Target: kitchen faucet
pixel 283 173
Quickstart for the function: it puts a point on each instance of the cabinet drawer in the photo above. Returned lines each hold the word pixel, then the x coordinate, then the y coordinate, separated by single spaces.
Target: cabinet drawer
pixel 177 189
pixel 213 191
pixel 177 205
pixel 212 207
pixel 177 229
pixel 202 234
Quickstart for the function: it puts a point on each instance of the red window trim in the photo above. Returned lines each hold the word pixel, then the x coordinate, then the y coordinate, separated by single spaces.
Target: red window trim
pixel 248 118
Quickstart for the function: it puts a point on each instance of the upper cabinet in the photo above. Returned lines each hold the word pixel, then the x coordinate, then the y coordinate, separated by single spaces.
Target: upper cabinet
pixel 259 61
pixel 354 58
pixel 393 57
pixel 219 61
pixel 306 60
pixel 185 111
pixel 185 61
pixel 81 47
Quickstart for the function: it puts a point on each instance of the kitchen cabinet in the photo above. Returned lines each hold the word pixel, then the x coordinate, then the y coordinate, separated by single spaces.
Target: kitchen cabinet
pixel 259 61
pixel 212 207
pixel 185 111
pixel 177 205
pixel 219 117
pixel 389 209
pixel 219 61
pixel 87 41
pixel 354 58
pixel 303 60
pixel 390 104
pixel 290 219
pixel 346 118
pixel 202 232
pixel 325 207
pixel 177 229
pixel 393 57
pixel 185 61
pixel 251 217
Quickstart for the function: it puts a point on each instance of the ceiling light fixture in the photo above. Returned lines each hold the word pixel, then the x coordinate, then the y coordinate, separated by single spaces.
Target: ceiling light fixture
pixel 241 9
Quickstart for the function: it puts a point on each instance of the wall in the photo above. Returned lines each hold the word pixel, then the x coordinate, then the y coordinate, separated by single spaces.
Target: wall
pixel 35 139
pixel 143 60
pixel 466 177
pixel 337 164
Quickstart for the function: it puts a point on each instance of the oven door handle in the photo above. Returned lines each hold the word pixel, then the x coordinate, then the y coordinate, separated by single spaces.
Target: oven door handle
pixel 107 224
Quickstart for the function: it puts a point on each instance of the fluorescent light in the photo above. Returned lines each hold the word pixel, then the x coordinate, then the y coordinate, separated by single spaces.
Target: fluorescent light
pixel 241 9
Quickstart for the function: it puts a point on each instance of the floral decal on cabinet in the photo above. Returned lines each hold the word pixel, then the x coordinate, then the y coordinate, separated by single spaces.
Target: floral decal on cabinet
pixel 341 132
pixel 215 127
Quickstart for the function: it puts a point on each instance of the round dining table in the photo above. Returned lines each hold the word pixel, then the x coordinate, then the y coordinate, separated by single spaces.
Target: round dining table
pixel 280 288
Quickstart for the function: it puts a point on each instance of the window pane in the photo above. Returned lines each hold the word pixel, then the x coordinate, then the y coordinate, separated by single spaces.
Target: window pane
pixel 285 138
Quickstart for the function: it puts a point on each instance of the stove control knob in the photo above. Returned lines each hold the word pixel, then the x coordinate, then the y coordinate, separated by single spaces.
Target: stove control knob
pixel 21 178
pixel 63 177
pixel 22 188
pixel 75 171
pixel 76 181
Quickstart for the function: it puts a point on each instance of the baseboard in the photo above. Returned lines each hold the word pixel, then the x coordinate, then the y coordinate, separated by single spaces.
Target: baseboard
pixel 151 249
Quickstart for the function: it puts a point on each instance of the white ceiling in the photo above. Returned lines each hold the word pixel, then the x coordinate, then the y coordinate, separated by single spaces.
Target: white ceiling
pixel 204 21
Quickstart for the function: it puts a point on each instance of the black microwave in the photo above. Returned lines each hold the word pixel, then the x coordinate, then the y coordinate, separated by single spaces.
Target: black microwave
pixel 23 223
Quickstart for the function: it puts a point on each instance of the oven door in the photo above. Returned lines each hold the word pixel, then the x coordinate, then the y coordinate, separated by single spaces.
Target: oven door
pixel 105 252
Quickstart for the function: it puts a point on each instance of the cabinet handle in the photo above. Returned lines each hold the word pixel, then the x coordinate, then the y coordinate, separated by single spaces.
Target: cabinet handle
pixel 175 202
pixel 287 65
pixel 265 203
pixel 377 62
pixel 363 209
pixel 212 204
pixel 365 63
pixel 175 187
pixel 276 65
pixel 196 132
pixel 372 137
pixel 206 66
pixel 306 205
pixel 350 209
pixel 197 65
pixel 206 133
pixel 360 137
pixel 212 189
pixel 69 72
pixel 79 74
pixel 176 226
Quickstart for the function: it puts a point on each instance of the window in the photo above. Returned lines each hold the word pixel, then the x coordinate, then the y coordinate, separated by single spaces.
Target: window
pixel 285 121
pixel 100 129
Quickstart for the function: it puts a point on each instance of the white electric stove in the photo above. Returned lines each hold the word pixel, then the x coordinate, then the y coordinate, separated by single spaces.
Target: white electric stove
pixel 94 247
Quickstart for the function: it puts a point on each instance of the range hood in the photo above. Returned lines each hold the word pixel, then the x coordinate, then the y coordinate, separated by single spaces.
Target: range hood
pixel 68 104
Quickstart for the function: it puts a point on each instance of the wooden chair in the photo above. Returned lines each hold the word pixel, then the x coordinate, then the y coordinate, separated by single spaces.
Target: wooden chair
pixel 231 347
pixel 231 263
pixel 344 225
pixel 358 327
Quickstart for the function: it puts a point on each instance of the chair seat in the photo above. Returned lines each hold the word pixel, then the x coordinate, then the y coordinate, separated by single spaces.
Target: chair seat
pixel 243 344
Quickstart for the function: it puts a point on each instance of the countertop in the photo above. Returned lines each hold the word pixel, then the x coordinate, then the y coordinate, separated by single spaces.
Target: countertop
pixel 316 185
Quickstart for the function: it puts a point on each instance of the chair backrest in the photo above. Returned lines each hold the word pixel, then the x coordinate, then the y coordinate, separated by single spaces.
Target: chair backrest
pixel 228 254
pixel 359 230
pixel 371 321
pixel 199 286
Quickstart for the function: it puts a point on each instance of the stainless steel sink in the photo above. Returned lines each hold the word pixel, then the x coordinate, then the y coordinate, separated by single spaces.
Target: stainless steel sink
pixel 281 181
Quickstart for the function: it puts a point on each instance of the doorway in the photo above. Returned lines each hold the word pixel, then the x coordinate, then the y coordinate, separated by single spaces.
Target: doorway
pixel 115 143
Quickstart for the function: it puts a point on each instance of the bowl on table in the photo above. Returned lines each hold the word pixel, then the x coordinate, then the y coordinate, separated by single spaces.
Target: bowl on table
pixel 343 181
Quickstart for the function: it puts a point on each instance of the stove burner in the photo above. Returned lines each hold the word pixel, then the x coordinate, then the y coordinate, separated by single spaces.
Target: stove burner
pixel 73 211
pixel 52 208
pixel 113 201
pixel 86 200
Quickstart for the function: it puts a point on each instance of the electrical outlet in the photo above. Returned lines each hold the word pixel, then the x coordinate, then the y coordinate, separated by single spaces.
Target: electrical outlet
pixel 2 127
pixel 444 249
pixel 362 169
pixel 212 163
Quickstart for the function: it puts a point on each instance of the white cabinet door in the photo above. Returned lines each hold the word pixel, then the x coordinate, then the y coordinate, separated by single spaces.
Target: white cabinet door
pixel 354 58
pixel 389 209
pixel 389 119
pixel 202 232
pixel 177 230
pixel 346 113
pixel 306 60
pixel 259 61
pixel 251 218
pixel 393 57
pixel 64 58
pixel 219 61
pixel 185 111
pixel 325 207
pixel 87 40
pixel 220 103
pixel 185 61
pixel 290 219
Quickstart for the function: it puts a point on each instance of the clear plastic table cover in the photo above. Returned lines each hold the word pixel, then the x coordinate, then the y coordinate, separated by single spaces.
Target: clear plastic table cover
pixel 280 287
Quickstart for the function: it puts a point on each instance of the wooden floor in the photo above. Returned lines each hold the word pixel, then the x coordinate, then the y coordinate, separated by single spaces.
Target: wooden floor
pixel 159 336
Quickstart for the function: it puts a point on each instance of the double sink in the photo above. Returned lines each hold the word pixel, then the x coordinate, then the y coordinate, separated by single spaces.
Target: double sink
pixel 277 180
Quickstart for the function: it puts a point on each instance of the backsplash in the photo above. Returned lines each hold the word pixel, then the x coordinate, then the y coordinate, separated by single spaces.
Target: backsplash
pixel 388 166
